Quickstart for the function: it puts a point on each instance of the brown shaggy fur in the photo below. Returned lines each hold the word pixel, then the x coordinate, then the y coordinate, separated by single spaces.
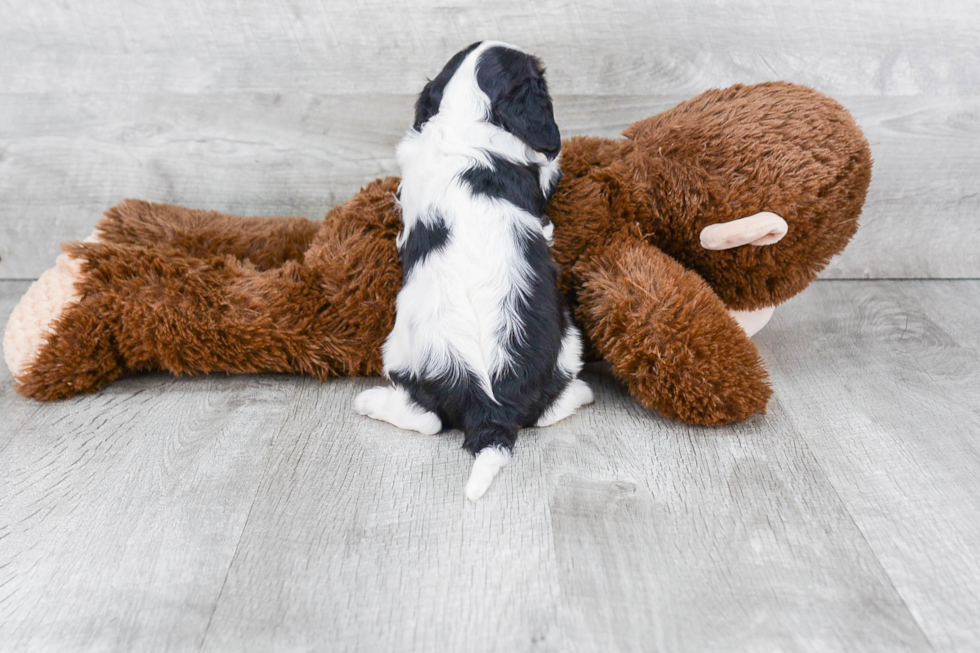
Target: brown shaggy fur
pixel 194 291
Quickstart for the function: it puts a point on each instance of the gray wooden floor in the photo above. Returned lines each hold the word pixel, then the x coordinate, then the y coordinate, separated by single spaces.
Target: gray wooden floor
pixel 260 513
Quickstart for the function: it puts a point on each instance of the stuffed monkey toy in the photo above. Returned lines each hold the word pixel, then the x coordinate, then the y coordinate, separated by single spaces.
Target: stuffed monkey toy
pixel 675 243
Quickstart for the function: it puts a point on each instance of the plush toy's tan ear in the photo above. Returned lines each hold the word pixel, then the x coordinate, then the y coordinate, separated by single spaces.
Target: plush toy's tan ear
pixel 669 337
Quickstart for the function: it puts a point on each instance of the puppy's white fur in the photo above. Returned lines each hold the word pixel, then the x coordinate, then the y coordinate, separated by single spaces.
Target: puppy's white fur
pixel 395 406
pixel 575 395
pixel 487 465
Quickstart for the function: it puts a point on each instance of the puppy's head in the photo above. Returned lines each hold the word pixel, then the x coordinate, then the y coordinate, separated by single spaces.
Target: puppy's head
pixel 500 84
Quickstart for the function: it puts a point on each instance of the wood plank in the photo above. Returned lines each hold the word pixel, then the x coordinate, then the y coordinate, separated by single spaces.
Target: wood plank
pixel 920 218
pixel 694 539
pixel 10 403
pixel 120 512
pixel 614 531
pixel 65 158
pixel 883 381
pixel 361 539
pixel 631 47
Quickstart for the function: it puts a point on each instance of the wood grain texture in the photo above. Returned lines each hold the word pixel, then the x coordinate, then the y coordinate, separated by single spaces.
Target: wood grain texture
pixel 120 512
pixel 898 48
pixel 731 538
pixel 885 379
pixel 600 536
pixel 260 513
pixel 65 158
pixel 377 548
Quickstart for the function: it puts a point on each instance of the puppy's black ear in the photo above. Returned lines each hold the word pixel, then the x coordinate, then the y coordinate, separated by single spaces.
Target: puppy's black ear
pixel 428 104
pixel 519 100
pixel 431 97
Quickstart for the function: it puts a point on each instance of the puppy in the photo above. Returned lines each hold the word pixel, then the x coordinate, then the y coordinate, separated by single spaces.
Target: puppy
pixel 482 339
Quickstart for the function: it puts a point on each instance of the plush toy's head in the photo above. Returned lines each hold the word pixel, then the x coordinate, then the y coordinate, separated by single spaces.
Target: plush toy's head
pixel 769 148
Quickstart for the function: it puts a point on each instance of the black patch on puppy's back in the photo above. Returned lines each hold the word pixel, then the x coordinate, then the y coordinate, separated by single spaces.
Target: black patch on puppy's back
pixel 512 182
pixel 544 317
pixel 424 238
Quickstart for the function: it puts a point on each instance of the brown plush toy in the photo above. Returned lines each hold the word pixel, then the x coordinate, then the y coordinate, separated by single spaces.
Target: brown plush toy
pixel 675 244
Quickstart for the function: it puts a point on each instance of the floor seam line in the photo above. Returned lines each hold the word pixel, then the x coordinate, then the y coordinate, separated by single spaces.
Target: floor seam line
pixel 241 535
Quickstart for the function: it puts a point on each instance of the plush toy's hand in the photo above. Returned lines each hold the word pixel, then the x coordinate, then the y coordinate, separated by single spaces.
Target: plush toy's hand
pixel 760 229
pixel 669 337
pixel 264 242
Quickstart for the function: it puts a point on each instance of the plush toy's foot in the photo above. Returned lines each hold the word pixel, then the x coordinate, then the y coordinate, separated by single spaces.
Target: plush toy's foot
pixel 393 405
pixel 753 321
pixel 33 320
pixel 575 395
pixel 760 229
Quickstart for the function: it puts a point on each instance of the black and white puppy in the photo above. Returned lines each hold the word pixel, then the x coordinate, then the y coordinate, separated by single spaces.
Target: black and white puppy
pixel 482 339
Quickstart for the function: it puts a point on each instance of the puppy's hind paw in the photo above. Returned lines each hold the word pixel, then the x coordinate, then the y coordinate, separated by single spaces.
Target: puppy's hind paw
pixel 370 401
pixel 393 405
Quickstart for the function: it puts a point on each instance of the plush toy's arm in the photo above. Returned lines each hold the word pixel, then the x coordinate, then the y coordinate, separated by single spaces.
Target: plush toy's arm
pixel 265 242
pixel 668 336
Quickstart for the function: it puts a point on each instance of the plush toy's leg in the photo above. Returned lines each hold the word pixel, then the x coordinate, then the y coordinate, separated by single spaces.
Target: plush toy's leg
pixel 265 242
pixel 35 318
pixel 760 229
pixel 123 307
pixel 669 337
pixel 140 308
pixel 56 343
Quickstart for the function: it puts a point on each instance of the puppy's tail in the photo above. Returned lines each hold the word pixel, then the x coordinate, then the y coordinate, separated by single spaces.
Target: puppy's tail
pixel 493 449
pixel 485 468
